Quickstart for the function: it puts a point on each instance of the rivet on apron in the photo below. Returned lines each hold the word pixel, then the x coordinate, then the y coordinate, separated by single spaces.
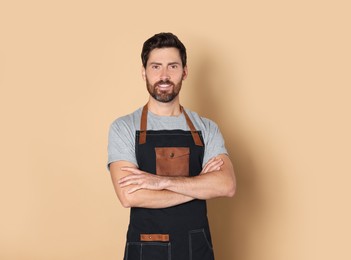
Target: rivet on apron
pixel 171 155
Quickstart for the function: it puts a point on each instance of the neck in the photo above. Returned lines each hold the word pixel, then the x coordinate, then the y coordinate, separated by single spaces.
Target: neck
pixel 164 109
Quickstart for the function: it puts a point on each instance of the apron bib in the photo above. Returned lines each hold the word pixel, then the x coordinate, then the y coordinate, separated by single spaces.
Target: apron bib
pixel 176 233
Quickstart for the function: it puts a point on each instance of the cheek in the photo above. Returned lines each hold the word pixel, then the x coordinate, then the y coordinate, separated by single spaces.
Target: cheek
pixel 150 78
pixel 152 75
pixel 179 77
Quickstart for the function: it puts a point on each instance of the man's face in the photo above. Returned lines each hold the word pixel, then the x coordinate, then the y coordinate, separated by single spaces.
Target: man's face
pixel 164 74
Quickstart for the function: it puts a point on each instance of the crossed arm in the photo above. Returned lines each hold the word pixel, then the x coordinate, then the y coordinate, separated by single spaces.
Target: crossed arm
pixel 136 188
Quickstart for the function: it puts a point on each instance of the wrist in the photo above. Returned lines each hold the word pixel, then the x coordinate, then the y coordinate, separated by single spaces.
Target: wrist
pixel 165 182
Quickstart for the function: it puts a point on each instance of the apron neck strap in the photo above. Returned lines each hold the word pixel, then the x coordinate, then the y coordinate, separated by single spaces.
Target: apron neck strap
pixel 143 127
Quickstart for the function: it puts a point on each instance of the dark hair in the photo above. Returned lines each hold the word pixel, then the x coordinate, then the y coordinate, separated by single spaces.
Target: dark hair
pixel 163 40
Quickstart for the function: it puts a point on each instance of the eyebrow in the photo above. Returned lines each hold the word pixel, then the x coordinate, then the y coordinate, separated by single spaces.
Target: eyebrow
pixel 159 63
pixel 174 63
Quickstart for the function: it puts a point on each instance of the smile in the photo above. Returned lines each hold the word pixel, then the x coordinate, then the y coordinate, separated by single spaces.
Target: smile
pixel 163 86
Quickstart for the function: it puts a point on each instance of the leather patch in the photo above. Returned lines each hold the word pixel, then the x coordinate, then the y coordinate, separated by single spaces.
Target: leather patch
pixel 154 237
pixel 172 161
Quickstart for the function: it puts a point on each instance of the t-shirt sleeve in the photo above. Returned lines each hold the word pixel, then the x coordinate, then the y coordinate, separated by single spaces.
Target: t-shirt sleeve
pixel 121 143
pixel 214 142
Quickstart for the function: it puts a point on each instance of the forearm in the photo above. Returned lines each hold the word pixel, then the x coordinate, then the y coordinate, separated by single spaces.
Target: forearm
pixel 217 183
pixel 207 186
pixel 144 197
pixel 211 183
pixel 153 198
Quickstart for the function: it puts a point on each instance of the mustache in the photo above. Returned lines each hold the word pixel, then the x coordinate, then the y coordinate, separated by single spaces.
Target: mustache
pixel 164 82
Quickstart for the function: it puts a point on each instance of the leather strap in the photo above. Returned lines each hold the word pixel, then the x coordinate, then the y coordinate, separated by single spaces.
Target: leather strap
pixel 193 131
pixel 154 237
pixel 143 127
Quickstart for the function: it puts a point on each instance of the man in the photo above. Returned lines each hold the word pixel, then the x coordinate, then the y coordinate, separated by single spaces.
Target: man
pixel 166 161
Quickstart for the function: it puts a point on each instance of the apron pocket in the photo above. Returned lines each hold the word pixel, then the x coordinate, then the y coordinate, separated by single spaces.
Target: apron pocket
pixel 172 161
pixel 148 251
pixel 199 245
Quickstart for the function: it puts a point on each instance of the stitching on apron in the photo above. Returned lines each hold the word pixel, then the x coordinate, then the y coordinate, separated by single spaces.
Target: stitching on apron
pixel 202 230
pixel 141 251
pixel 190 247
pixel 143 244
pixel 169 251
pixel 127 249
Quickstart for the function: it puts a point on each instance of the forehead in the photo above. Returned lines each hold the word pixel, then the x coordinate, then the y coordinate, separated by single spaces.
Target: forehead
pixel 164 55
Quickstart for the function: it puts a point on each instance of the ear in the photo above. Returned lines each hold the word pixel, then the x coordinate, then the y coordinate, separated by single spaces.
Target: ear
pixel 185 72
pixel 143 72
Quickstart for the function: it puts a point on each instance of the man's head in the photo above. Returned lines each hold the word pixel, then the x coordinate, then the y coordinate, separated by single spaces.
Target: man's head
pixel 164 66
pixel 163 40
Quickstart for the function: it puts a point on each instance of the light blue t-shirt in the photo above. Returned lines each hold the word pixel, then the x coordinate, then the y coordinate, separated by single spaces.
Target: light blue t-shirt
pixel 121 142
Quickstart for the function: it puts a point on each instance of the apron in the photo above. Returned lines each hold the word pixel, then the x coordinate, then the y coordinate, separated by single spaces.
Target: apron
pixel 175 233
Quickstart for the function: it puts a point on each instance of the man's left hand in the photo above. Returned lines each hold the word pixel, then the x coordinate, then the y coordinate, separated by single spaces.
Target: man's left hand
pixel 141 180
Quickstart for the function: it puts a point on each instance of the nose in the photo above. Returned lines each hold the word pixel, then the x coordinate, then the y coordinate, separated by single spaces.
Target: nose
pixel 164 74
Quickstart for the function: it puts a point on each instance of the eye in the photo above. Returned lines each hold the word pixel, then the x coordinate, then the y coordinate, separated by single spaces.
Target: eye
pixel 155 67
pixel 174 66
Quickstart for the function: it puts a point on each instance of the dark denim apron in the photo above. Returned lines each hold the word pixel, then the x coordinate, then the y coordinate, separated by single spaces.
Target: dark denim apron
pixel 175 233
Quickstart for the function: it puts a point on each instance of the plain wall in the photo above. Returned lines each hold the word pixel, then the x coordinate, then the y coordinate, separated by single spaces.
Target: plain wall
pixel 274 75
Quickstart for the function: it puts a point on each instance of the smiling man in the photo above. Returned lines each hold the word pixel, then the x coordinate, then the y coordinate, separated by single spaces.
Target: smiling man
pixel 166 161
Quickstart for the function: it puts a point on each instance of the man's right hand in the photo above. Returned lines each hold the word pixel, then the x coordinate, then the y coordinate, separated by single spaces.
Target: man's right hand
pixel 214 164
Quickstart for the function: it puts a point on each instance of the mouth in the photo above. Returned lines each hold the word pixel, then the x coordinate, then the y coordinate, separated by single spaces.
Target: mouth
pixel 164 85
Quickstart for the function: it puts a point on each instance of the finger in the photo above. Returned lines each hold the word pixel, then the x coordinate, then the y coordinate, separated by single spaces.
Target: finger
pixel 215 167
pixel 131 179
pixel 128 183
pixel 134 189
pixel 212 165
pixel 206 168
pixel 218 163
pixel 212 160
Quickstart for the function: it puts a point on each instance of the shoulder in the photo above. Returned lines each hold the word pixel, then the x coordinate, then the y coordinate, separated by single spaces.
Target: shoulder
pixel 200 122
pixel 128 122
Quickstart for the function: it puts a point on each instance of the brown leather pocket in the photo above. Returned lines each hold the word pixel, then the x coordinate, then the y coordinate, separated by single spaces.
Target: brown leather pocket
pixel 172 161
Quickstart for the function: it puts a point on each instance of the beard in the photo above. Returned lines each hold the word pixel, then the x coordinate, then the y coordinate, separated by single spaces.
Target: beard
pixel 164 96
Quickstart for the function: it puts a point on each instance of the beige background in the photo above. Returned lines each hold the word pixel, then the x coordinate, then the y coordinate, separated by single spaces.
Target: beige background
pixel 275 76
